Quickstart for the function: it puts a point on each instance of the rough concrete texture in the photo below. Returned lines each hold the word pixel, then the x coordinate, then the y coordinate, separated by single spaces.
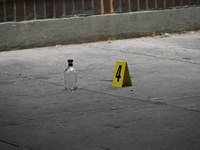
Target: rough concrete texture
pixel 161 111
pixel 38 33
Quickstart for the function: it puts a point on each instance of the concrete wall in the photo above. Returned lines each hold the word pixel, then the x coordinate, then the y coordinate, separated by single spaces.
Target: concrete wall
pixel 36 33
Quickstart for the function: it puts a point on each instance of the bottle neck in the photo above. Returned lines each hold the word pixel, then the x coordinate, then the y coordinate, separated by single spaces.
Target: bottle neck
pixel 70 64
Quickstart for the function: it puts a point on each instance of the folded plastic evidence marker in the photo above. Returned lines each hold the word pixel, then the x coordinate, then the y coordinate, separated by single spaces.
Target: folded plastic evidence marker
pixel 121 75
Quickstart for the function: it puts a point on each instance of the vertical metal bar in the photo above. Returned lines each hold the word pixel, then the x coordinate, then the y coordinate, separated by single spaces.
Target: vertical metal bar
pixel 181 3
pixel 120 6
pixel 15 17
pixel 147 4
pixel 164 3
pixel 4 10
pixel 92 3
pixel 45 14
pixel 111 6
pixel 73 7
pixel 83 7
pixel 54 9
pixel 156 4
pixel 129 5
pixel 173 3
pixel 102 7
pixel 24 10
pixel 34 9
pixel 138 4
pixel 64 11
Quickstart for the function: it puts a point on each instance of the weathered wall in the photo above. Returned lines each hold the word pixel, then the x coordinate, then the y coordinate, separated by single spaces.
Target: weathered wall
pixel 35 33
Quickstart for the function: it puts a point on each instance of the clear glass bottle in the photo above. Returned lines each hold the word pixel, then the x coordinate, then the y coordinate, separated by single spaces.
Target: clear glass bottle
pixel 70 77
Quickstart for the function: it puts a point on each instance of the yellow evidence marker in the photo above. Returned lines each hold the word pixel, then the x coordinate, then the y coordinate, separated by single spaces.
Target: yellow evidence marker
pixel 121 75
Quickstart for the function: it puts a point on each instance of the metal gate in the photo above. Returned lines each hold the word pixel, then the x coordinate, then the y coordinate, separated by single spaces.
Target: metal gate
pixel 23 10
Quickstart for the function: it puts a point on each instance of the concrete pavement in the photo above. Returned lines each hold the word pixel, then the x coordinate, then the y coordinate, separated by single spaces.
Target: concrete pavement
pixel 161 111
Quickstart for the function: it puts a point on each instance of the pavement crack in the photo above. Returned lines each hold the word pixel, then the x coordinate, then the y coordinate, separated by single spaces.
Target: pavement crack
pixel 18 145
pixel 146 101
pixel 147 55
pixel 90 69
pixel 33 119
pixel 50 83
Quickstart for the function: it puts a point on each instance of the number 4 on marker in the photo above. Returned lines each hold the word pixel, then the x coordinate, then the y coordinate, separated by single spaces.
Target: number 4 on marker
pixel 118 73
pixel 121 75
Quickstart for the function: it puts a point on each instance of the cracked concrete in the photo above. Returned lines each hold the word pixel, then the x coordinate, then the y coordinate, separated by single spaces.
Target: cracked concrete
pixel 160 111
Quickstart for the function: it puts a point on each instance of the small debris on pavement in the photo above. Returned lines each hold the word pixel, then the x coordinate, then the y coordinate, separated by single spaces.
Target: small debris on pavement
pixel 58 45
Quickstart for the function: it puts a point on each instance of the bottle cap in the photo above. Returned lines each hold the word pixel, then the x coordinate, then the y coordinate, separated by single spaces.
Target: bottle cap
pixel 70 60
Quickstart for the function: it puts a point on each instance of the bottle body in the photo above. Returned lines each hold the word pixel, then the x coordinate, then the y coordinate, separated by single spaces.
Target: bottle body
pixel 70 79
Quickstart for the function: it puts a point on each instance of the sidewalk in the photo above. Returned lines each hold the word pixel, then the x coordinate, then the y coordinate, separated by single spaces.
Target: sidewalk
pixel 161 111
